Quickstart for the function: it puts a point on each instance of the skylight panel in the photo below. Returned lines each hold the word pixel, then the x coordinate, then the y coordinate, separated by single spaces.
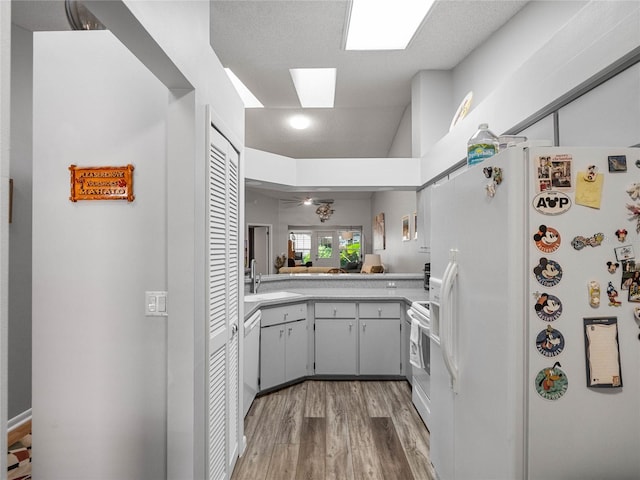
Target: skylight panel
pixel 384 24
pixel 248 98
pixel 316 87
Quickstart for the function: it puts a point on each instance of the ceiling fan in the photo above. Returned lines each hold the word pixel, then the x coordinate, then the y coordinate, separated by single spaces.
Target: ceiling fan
pixel 324 208
pixel 305 201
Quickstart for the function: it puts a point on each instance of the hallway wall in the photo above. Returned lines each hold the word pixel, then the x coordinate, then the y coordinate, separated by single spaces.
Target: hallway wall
pixel 21 171
pixel 99 365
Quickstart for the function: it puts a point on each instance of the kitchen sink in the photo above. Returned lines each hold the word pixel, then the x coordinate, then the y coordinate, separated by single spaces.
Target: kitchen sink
pixel 261 297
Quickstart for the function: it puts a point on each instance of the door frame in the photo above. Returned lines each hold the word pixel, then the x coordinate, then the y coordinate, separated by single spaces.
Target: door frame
pixel 268 265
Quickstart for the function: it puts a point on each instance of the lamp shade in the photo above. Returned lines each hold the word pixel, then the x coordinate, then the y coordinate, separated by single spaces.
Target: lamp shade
pixel 372 264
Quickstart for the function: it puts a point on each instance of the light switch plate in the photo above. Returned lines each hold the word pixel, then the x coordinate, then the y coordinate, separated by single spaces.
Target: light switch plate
pixel 155 304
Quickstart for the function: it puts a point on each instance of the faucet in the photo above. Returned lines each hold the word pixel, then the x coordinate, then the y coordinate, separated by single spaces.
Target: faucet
pixel 255 279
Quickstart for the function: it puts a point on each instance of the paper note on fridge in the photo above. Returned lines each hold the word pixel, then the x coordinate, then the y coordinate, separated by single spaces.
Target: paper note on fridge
pixel 589 191
pixel 602 352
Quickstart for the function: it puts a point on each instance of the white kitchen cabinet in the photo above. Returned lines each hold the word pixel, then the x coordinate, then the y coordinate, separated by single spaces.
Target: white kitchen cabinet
pixel 379 338
pixel 336 346
pixel 283 345
pixel 357 338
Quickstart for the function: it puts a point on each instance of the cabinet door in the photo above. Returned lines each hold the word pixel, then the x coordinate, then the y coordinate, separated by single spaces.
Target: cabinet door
pixel 336 346
pixel 379 347
pixel 296 350
pixel 272 356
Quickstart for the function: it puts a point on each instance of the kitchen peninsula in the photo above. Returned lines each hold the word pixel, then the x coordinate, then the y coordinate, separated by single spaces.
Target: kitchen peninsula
pixel 328 326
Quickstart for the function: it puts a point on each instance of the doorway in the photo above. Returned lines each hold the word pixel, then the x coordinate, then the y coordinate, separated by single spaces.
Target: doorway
pixel 259 248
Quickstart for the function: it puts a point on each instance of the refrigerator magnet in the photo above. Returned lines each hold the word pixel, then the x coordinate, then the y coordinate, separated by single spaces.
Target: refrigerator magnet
pixel 551 203
pixel 630 273
pixel 550 342
pixel 593 288
pixel 547 239
pixel 580 242
pixel 612 293
pixel 621 234
pixel 617 163
pixel 551 382
pixel 602 352
pixel 634 191
pixel 612 267
pixel 548 307
pixel 634 213
pixel 548 272
pixel 624 253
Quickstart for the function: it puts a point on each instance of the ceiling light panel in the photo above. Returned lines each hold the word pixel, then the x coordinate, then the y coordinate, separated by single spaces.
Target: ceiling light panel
pixel 384 24
pixel 248 98
pixel 316 87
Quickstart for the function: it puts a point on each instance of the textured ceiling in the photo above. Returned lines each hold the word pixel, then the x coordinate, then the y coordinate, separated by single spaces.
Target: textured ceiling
pixel 260 40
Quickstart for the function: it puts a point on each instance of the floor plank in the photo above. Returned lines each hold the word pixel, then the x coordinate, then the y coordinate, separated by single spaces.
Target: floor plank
pixel 312 449
pixel 377 405
pixel 253 464
pixel 393 461
pixel 284 461
pixel 366 461
pixel 291 423
pixel 339 463
pixel 316 399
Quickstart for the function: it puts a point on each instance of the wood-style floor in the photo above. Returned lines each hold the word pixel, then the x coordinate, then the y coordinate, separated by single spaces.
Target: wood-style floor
pixel 338 430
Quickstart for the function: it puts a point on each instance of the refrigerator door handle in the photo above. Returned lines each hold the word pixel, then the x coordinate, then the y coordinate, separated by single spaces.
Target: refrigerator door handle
pixel 447 321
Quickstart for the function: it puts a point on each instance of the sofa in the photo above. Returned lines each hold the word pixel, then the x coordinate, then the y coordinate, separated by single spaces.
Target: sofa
pixel 303 269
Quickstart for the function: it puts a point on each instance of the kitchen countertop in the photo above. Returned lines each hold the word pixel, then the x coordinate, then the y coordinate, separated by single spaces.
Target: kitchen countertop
pixel 406 295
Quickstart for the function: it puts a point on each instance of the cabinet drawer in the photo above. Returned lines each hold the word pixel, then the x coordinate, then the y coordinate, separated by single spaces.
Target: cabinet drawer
pixel 286 313
pixel 335 310
pixel 379 310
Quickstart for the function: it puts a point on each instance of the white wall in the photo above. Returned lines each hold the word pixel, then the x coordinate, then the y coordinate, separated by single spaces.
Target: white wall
pixel 398 256
pixel 596 37
pixel 19 394
pixel 401 145
pixel 506 50
pixel 99 365
pixel 5 138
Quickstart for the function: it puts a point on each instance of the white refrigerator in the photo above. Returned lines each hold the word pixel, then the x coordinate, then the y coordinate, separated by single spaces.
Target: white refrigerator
pixel 535 347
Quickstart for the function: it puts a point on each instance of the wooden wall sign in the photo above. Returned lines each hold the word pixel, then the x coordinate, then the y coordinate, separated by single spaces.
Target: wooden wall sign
pixel 101 183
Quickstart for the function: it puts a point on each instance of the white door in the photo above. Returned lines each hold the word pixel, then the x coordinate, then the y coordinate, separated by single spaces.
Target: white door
pixel 261 249
pixel 223 307
pixel 325 249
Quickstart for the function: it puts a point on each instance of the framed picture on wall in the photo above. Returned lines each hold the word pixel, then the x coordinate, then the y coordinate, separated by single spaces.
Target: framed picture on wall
pixel 415 225
pixel 378 232
pixel 406 234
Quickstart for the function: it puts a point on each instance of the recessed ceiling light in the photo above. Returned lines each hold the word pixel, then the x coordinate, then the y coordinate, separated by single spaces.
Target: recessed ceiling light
pixel 316 87
pixel 384 24
pixel 299 122
pixel 248 98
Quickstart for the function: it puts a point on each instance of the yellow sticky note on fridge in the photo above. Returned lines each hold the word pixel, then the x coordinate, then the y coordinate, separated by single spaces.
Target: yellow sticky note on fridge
pixel 589 193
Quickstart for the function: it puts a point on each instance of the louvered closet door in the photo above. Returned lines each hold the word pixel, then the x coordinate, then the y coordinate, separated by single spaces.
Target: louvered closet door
pixel 222 308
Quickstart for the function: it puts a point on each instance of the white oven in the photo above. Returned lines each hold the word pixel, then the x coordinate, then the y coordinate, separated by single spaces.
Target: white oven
pixel 421 388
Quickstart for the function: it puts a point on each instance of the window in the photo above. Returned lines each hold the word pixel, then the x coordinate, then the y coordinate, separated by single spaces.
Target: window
pixel 341 247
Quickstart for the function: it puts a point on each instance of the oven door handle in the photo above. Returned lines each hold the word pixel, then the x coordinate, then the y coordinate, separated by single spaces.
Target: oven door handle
pixel 447 326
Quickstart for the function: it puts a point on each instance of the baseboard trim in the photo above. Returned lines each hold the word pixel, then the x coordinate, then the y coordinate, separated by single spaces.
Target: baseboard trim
pixel 18 427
